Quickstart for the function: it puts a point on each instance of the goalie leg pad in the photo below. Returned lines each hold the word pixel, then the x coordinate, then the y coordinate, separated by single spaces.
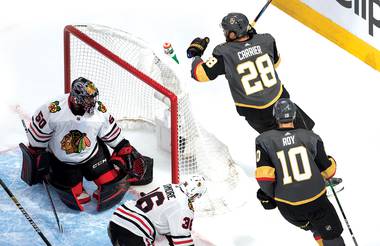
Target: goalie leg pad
pixel 112 193
pixel 68 196
pixel 148 176
pixel 103 179
pixel 33 169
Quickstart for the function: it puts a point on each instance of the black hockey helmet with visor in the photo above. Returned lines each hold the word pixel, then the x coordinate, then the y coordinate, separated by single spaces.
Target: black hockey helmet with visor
pixel 84 94
pixel 284 110
pixel 237 23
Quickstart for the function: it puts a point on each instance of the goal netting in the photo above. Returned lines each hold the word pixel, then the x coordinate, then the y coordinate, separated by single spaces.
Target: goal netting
pixel 139 87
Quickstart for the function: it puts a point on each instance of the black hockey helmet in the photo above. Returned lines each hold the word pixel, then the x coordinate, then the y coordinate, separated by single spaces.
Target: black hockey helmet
pixel 237 23
pixel 84 94
pixel 284 110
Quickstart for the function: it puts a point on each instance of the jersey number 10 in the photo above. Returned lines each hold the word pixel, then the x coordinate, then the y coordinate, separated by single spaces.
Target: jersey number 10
pixel 297 175
pixel 264 67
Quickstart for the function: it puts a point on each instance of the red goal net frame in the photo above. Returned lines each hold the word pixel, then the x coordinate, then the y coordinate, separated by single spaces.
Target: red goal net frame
pixel 71 30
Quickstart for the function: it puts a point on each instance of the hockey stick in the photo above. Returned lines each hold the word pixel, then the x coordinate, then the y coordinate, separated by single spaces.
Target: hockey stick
pixel 341 210
pixel 260 13
pixel 60 227
pixel 10 194
pixel 44 181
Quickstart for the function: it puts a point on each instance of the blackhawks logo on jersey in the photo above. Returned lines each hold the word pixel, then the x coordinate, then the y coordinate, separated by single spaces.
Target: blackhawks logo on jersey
pixel 101 107
pixel 54 107
pixel 75 142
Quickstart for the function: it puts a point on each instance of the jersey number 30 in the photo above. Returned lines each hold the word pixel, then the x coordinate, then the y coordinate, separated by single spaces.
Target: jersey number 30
pixel 292 154
pixel 264 68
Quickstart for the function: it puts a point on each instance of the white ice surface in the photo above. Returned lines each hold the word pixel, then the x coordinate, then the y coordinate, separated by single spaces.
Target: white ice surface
pixel 336 89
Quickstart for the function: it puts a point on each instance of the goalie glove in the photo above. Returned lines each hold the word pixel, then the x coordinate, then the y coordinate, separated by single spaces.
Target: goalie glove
pixel 197 47
pixel 128 160
pixel 265 200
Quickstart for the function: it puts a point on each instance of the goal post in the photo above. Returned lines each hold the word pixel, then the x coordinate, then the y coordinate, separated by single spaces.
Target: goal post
pixel 139 86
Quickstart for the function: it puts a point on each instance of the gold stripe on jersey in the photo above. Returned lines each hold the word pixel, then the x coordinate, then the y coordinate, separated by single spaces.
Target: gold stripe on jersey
pixel 265 173
pixel 303 201
pixel 200 73
pixel 330 171
pixel 263 106
pixel 320 242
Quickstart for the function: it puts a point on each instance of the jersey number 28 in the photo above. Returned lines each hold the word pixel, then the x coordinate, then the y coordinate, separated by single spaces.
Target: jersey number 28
pixel 264 68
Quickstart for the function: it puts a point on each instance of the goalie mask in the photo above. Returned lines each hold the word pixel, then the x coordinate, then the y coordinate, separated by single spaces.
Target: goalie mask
pixel 194 187
pixel 84 94
pixel 238 24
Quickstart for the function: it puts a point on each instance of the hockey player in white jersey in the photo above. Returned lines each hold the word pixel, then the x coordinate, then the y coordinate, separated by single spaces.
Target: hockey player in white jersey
pixel 166 210
pixel 67 141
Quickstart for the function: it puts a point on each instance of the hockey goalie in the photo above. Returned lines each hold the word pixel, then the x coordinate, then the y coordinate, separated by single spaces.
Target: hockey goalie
pixel 68 140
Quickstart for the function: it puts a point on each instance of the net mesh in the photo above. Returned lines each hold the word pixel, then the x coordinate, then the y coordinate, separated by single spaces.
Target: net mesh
pixel 134 103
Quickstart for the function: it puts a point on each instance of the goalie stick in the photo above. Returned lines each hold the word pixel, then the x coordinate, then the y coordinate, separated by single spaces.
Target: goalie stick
pixel 45 183
pixel 23 211
pixel 60 227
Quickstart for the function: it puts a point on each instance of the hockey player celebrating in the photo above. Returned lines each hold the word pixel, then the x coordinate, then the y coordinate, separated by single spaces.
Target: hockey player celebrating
pixel 248 61
pixel 167 210
pixel 291 168
pixel 68 139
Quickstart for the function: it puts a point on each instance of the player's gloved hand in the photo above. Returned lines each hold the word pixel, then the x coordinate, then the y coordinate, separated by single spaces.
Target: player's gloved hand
pixel 41 158
pixel 197 47
pixel 138 169
pixel 128 160
pixel 265 200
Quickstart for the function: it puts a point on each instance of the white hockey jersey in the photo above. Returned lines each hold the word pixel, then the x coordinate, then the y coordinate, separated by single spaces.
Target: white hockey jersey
pixel 165 210
pixel 72 138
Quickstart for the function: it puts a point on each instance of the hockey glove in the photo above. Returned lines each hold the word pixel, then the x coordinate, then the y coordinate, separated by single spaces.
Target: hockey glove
pixel 35 164
pixel 128 160
pixel 197 47
pixel 265 200
pixel 41 158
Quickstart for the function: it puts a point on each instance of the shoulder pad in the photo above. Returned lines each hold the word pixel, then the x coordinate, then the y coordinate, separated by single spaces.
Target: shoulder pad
pixel 218 50
pixel 101 107
pixel 267 35
pixel 54 107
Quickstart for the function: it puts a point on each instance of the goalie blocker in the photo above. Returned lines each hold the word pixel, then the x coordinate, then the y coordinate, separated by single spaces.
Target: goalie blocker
pixel 35 164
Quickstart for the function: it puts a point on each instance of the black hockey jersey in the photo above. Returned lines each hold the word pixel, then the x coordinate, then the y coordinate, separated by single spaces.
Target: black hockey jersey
pixel 249 69
pixel 292 165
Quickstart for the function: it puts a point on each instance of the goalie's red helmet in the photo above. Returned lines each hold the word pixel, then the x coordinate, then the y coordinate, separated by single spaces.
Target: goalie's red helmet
pixel 84 94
